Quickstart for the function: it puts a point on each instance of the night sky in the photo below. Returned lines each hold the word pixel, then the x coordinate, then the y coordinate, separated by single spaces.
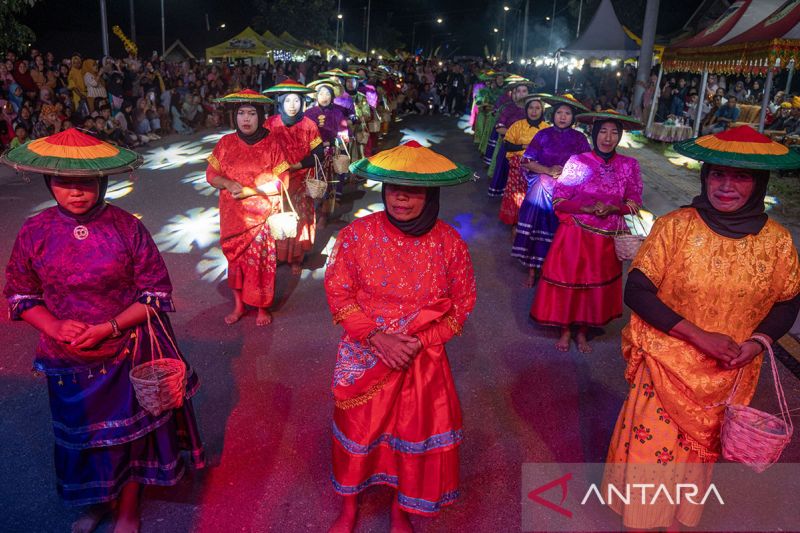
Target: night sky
pixel 466 30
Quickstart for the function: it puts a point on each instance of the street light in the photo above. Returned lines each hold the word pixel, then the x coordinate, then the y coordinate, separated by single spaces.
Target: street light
pixel 496 30
pixel 506 8
pixel 439 21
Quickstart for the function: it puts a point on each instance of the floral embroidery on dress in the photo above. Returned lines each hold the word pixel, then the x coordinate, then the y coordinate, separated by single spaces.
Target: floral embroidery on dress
pixel 648 391
pixel 353 360
pixel 642 433
pixel 663 415
pixel 664 456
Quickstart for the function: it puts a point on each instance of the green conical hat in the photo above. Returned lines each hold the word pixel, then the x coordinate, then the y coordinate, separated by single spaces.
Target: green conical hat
pixel 628 123
pixel 72 153
pixel 740 147
pixel 412 164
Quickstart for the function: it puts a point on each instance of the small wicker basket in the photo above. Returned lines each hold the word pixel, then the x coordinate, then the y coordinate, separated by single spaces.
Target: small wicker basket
pixel 341 161
pixel 374 126
pixel 627 245
pixel 283 225
pixel 752 437
pixel 159 384
pixel 316 187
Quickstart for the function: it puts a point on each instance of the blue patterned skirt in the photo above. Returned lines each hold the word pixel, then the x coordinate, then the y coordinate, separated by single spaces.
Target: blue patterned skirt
pixel 490 147
pixel 498 171
pixel 103 437
pixel 537 223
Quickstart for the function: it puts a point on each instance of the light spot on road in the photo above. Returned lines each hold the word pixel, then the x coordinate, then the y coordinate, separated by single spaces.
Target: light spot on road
pixel 197 227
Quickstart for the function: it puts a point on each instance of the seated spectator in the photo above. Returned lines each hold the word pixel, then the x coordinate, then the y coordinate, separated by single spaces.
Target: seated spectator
pixel 776 102
pixel 24 118
pixel 784 121
pixel 146 120
pixel 725 116
pixel 427 100
pixel 20 136
pixel 738 91
pixel 710 113
pixel 191 110
pixel 177 120
pixel 124 118
pixel 48 122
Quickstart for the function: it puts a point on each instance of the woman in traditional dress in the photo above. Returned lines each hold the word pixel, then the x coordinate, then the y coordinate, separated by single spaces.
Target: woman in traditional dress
pixel 89 277
pixel 509 114
pixel 401 284
pixel 248 166
pixel 299 137
pixel 581 283
pixel 503 99
pixel 484 124
pixel 334 131
pixel 713 283
pixel 516 141
pixel 541 165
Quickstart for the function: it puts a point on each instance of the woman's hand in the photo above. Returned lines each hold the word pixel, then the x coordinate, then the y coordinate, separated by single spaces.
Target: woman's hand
pixel 501 131
pixel 717 346
pixel 93 336
pixel 66 330
pixel 233 187
pixel 555 170
pixel 396 351
pixel 603 210
pixel 748 351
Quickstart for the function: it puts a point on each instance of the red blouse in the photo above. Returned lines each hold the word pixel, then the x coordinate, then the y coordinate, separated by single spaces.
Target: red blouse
pixel 377 274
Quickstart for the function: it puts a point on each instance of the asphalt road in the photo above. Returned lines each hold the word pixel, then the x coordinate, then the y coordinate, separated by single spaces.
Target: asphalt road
pixel 264 407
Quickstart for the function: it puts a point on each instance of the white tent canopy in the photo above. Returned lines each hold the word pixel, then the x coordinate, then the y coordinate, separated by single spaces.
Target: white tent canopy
pixel 604 37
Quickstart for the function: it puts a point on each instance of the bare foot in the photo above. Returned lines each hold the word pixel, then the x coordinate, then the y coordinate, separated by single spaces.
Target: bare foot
pixel 234 317
pixel 583 344
pixel 89 521
pixel 263 318
pixel 400 520
pixel 563 342
pixel 297 269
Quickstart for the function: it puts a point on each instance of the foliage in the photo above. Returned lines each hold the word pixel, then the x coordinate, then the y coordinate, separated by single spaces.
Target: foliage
pixel 13 34
pixel 307 20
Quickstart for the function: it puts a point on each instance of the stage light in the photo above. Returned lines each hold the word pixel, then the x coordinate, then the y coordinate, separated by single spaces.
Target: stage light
pixel 198 227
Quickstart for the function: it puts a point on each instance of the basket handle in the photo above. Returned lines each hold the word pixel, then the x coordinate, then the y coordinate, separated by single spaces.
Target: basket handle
pixel 344 146
pixel 288 199
pixel 319 169
pixel 785 413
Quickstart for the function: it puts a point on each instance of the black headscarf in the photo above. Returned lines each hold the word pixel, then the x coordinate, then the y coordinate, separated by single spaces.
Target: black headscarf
pixel 285 118
pixel 571 108
pixel 747 220
pixel 421 225
pixel 538 121
pixel 99 205
pixel 605 156
pixel 260 132
pixel 330 90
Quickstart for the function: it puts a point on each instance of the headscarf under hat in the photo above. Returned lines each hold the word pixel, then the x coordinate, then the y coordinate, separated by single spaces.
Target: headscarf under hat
pixel 747 220
pixel 96 209
pixel 596 126
pixel 285 118
pixel 534 123
pixel 260 132
pixel 422 224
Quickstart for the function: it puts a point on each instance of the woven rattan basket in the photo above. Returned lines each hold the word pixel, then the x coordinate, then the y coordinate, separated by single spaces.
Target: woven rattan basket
pixel 316 187
pixel 341 161
pixel 159 384
pixel 627 245
pixel 753 437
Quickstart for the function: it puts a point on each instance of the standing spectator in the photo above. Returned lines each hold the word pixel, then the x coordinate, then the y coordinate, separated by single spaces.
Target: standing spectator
pixel 94 84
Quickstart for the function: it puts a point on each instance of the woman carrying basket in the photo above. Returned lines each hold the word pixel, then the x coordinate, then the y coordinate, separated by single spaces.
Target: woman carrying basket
pixel 89 277
pixel 709 277
pixel 300 139
pixel 334 131
pixel 248 166
pixel 581 283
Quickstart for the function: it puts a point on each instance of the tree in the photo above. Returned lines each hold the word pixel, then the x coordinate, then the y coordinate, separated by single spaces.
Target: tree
pixel 311 20
pixel 13 34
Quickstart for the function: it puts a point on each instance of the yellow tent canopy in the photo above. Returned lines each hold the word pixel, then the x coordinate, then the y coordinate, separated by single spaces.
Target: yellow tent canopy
pixel 247 44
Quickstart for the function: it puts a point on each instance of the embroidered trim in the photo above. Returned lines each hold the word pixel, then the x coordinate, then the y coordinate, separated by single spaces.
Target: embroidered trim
pixel 366 396
pixel 128 477
pixel 598 231
pixel 435 442
pixel 280 169
pixel 214 162
pixel 455 327
pixel 345 312
pixel 316 141
pixel 418 505
pixel 581 285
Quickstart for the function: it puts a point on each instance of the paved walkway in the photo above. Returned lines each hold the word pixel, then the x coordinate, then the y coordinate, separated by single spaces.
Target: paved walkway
pixel 264 407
